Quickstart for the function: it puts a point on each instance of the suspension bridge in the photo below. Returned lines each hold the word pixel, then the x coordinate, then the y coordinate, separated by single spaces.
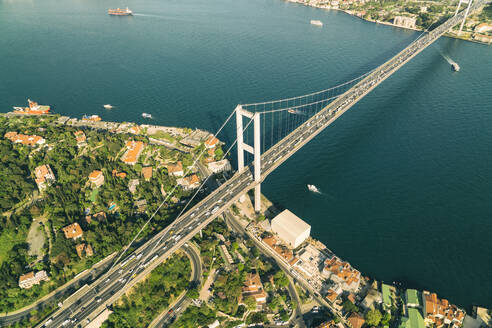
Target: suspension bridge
pixel 279 129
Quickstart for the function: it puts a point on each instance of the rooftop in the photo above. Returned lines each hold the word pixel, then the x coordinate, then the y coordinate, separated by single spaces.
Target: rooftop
pixel 290 224
pixel 73 231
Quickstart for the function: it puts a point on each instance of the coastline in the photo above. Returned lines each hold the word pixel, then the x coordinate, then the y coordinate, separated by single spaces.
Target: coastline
pixel 351 13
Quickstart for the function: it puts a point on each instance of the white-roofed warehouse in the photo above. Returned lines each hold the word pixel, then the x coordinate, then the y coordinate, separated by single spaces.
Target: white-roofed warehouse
pixel 290 228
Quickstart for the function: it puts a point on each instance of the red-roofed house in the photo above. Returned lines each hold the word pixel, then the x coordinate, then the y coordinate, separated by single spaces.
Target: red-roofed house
pixel 97 178
pixel 44 176
pixel 211 142
pixel 73 231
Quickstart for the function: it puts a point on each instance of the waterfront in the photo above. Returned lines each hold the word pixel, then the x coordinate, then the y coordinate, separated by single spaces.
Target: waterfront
pixel 404 175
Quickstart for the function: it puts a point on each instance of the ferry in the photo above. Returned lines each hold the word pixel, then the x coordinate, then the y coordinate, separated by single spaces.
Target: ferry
pixel 94 118
pixel 455 67
pixel 316 22
pixel 120 12
pixel 145 115
pixel 33 109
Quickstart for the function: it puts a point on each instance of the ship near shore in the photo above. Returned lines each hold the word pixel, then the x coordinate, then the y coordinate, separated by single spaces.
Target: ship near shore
pixel 33 109
pixel 120 12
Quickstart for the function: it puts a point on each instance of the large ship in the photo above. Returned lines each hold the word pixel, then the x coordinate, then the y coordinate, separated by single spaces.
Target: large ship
pixel 120 12
pixel 33 109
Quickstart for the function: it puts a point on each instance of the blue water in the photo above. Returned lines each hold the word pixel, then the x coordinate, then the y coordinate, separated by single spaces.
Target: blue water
pixel 405 175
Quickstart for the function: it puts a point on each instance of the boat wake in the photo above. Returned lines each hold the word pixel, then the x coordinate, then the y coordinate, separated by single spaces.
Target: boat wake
pixel 147 15
pixel 296 112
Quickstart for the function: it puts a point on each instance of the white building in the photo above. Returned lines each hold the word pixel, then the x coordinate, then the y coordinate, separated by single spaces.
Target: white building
pixel 290 228
pixel 219 166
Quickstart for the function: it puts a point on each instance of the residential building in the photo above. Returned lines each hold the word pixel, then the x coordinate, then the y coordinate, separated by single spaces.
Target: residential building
pixel 100 216
pixel 211 142
pixel 407 22
pixel 24 139
pixel 483 28
pixel 227 255
pixel 147 172
pixel 191 182
pixel 133 151
pixel 135 129
pixel 118 174
pixel 290 228
pixel 96 178
pixel 175 169
pixel 80 138
pixel 254 287
pixel 483 38
pixel 141 205
pixel 219 166
pixel 132 185
pixel 328 324
pixel 73 231
pixel 439 312
pixel 342 273
pixel 84 249
pixel 356 320
pixel 414 319
pixel 44 176
pixel 30 279
pixel 372 300
pixel 284 252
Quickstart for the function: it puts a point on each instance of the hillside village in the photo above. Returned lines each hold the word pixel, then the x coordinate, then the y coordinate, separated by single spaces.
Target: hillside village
pixel 83 186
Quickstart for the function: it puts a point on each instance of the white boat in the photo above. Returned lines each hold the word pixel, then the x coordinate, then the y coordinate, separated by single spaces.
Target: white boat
pixel 145 115
pixel 108 106
pixel 455 67
pixel 291 111
pixel 316 22
pixel 313 188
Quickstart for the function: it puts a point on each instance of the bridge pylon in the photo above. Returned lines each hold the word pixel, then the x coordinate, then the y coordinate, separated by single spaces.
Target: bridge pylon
pixel 255 149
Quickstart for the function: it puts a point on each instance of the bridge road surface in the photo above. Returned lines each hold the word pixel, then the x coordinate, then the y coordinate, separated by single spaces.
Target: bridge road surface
pixel 109 288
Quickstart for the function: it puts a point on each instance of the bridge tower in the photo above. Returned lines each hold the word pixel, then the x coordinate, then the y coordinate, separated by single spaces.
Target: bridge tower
pixel 255 150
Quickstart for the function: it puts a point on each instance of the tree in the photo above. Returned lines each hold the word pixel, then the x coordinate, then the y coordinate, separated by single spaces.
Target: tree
pixel 348 306
pixel 386 319
pixel 250 302
pixel 281 279
pixel 373 317
pixel 193 293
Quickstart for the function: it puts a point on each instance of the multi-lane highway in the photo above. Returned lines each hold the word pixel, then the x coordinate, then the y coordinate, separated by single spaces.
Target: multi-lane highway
pixel 109 287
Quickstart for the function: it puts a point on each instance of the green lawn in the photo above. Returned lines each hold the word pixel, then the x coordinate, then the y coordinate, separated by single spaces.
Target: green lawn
pixel 94 194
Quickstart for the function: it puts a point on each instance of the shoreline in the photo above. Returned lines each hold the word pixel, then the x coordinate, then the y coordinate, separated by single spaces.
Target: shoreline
pixel 350 13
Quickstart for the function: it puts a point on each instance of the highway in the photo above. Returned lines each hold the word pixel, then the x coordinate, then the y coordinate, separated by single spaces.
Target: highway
pixel 105 290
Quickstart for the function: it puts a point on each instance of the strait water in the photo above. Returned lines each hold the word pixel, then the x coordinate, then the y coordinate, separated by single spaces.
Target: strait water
pixel 405 175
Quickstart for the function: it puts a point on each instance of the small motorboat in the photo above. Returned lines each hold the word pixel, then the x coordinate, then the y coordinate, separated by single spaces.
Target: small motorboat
pixel 145 115
pixel 108 106
pixel 291 111
pixel 455 67
pixel 313 188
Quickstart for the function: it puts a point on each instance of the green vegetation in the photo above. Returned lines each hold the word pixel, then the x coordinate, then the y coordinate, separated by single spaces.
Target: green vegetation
pixel 153 295
pixel 195 317
pixel 348 306
pixel 66 200
pixel 373 317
